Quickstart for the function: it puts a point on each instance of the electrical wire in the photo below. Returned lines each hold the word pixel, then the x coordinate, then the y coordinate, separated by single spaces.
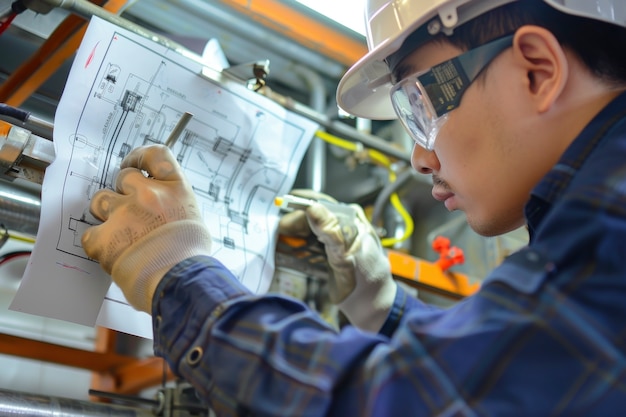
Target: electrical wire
pixel 381 159
pixel 406 218
pixel 385 194
pixel 6 257
pixel 6 235
pixel 21 238
pixel 4 25
pixel 14 112
pixel 17 7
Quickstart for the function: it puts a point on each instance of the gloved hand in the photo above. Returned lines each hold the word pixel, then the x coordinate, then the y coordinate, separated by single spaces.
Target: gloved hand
pixel 150 224
pixel 360 281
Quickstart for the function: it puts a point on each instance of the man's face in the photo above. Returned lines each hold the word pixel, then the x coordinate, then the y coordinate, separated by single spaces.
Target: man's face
pixel 487 156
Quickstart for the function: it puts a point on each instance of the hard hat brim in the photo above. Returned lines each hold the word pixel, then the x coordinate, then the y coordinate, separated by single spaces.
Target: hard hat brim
pixel 364 89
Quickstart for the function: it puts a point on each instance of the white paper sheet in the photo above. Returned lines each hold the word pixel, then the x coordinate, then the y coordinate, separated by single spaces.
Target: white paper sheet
pixel 239 151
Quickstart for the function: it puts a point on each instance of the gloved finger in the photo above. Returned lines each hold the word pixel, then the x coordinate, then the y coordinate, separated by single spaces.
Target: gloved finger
pixel 332 228
pixel 89 241
pixel 294 223
pixel 130 181
pixel 103 203
pixel 363 222
pixel 157 160
pixel 98 243
pixel 359 213
pixel 320 218
pixel 92 243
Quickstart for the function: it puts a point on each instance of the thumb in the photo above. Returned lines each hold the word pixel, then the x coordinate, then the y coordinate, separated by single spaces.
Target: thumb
pixel 334 224
pixel 294 223
pixel 320 219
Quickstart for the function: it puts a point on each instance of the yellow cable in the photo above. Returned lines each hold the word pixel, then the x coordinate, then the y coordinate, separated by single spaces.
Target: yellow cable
pixel 21 238
pixel 342 143
pixel 382 159
pixel 406 217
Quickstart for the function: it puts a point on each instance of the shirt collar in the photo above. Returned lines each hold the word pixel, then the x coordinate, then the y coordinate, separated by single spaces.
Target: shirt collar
pixel 556 181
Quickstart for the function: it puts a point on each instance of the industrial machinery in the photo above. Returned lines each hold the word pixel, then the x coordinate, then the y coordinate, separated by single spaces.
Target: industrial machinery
pixel 24 154
pixel 346 146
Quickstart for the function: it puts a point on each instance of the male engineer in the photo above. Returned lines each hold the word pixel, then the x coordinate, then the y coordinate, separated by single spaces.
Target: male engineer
pixel 518 112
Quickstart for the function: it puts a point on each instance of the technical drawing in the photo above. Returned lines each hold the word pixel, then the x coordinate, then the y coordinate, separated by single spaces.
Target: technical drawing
pixel 220 152
pixel 239 151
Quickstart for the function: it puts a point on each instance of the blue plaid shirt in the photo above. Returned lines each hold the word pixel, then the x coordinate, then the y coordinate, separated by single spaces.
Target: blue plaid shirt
pixel 544 336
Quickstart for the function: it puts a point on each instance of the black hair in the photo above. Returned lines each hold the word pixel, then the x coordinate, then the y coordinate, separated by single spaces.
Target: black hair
pixel 599 45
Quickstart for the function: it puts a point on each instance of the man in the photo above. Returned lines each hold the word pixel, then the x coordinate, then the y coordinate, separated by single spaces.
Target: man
pixel 518 113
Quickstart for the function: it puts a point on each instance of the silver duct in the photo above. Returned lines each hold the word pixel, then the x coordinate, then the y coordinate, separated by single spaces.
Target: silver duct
pixel 20 207
pixel 22 404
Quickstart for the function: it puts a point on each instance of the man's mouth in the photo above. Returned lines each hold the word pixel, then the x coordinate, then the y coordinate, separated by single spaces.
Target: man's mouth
pixel 441 194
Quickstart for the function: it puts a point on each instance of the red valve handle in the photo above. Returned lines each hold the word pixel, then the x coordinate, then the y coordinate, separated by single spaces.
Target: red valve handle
pixel 448 256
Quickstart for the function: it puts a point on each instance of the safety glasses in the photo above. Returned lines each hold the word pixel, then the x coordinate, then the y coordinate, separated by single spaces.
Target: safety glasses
pixel 422 100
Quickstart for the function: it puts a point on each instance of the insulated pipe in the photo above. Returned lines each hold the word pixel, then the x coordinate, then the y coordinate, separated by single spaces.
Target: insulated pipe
pixel 26 120
pixel 14 403
pixel 316 154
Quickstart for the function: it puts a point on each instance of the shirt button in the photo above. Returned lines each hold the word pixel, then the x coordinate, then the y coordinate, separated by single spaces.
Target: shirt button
pixel 532 257
pixel 194 356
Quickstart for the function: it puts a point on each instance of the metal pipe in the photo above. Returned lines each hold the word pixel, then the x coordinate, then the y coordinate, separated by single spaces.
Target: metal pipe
pixel 20 209
pixel 13 403
pixel 338 128
pixel 316 154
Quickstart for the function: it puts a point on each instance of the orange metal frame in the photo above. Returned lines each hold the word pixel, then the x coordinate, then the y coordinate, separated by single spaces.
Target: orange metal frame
pixel 429 276
pixel 416 272
pixel 302 28
pixel 59 46
pixel 112 372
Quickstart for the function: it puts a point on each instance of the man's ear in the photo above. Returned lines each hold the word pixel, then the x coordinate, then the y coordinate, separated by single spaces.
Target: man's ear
pixel 545 63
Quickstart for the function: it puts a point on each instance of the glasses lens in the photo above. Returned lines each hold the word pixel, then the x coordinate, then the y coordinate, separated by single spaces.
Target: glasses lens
pixel 443 84
pixel 415 112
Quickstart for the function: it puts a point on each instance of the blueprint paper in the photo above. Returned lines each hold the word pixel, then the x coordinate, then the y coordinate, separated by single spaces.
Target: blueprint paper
pixel 239 151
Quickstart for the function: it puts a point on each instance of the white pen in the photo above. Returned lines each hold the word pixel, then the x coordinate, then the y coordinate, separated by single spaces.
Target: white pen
pixel 290 202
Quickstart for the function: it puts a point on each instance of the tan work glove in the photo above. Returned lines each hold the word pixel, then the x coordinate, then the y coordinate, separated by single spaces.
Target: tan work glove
pixel 150 224
pixel 360 281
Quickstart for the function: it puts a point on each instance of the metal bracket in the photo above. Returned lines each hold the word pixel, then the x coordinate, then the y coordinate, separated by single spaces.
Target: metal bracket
pixel 24 155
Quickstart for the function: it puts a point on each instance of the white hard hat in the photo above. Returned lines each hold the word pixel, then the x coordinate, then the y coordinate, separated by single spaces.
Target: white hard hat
pixel 364 89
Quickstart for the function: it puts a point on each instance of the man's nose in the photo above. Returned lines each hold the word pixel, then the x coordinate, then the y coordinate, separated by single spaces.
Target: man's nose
pixel 424 161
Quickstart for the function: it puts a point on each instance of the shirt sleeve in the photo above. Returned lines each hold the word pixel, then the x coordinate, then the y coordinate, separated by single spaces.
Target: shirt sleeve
pixel 402 305
pixel 503 351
